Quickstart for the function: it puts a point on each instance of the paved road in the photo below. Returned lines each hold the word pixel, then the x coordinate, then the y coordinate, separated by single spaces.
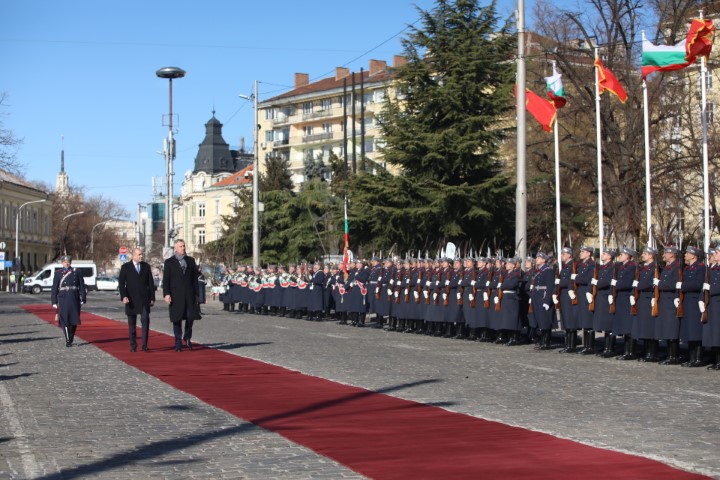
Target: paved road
pixel 104 419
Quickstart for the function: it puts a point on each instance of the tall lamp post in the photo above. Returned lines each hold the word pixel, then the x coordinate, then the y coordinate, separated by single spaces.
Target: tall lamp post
pixel 17 233
pixel 64 236
pixel 255 184
pixel 92 239
pixel 169 150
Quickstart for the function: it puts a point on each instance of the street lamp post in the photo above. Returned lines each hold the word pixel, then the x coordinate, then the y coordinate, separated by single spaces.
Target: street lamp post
pixel 65 236
pixel 92 239
pixel 17 232
pixel 169 150
pixel 255 184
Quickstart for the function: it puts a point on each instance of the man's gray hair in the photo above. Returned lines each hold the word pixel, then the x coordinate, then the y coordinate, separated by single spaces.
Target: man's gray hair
pixel 178 240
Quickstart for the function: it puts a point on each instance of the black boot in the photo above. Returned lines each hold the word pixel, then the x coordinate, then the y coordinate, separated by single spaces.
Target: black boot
pixel 695 349
pixel 472 335
pixel 502 337
pixel 545 337
pixel 629 349
pixel 609 350
pixel 572 347
pixel 513 340
pixel 226 307
pixel 567 342
pixel 650 351
pixel 698 356
pixel 420 327
pixel 716 365
pixel 673 357
pixel 460 331
pixel 343 318
pixel 588 341
pixel 448 331
pixel 361 320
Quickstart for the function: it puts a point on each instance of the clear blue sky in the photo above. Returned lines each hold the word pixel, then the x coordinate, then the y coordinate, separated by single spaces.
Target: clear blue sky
pixel 85 70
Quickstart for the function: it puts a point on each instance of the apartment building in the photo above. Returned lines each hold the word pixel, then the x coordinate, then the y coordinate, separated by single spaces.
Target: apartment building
pixel 336 115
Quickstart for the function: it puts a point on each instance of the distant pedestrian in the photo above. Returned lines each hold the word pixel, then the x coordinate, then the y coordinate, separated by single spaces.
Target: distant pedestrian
pixel 67 296
pixel 13 279
pixel 180 290
pixel 137 291
pixel 202 284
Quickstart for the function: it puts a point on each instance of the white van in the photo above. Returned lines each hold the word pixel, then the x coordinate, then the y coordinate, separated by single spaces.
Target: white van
pixel 43 278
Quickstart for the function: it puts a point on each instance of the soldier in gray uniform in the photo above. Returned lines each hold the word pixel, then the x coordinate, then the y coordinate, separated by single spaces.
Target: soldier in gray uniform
pixel 626 274
pixel 644 300
pixel 604 301
pixel 585 269
pixel 691 291
pixel 566 298
pixel 667 326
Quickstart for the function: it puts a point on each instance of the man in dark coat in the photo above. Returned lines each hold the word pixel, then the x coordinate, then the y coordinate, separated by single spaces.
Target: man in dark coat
pixel 67 295
pixel 180 293
pixel 137 291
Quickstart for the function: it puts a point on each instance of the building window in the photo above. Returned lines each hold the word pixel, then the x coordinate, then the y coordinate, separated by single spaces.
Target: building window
pixel 307 108
pixel 201 236
pixel 326 104
pixel 327 127
pixel 269 135
pixel 369 146
pixel 307 130
pixel 217 232
pixel 217 207
pixel 201 209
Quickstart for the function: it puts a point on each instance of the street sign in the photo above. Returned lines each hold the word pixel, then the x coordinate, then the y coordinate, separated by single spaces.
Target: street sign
pixel 8 263
pixel 122 250
pixel 123 257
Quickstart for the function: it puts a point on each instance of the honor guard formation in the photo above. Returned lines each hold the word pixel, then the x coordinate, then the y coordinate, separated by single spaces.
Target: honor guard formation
pixel 511 301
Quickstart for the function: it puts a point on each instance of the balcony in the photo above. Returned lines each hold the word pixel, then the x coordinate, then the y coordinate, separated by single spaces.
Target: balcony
pixel 317 137
pixel 197 220
pixel 280 120
pixel 317 114
pixel 281 143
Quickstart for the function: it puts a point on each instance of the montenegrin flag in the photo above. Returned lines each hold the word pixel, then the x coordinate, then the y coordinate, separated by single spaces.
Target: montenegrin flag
pixel 663 58
pixel 543 110
pixel 699 39
pixel 555 89
pixel 608 81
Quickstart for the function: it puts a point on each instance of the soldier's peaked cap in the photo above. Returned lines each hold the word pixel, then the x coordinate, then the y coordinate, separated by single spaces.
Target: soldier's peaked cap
pixel 694 251
pixel 628 251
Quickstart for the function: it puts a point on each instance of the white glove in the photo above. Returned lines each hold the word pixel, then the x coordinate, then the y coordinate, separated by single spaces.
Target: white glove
pixel 613 282
pixel 532 287
pixel 391 282
pixel 701 305
pixel 416 295
pixel 572 276
pixel 427 284
pixel 55 306
pixel 611 300
pixel 529 301
pixel 471 297
pixel 447 282
pixel 706 286
pixel 652 302
pixel 589 297
pixel 472 284
pixel 487 284
pixel 459 295
pixel 546 306
pixel 496 300
pixel 555 299
pixel 557 281
pixel 656 281
pixel 425 294
pixel 571 294
pixel 632 300
pixel 593 281
pixel 444 296
pixel 676 302
pixel 678 285
pixel 377 289
pixel 389 292
pixel 635 283
pixel 485 297
pixel 434 296
pixel 397 294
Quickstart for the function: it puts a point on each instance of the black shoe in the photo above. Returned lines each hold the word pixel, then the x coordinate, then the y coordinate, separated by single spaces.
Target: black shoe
pixel 145 349
pixel 189 344
pixel 133 349
pixel 178 348
pixel 68 343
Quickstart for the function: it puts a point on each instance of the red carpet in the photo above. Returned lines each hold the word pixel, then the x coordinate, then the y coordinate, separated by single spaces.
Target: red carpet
pixel 371 433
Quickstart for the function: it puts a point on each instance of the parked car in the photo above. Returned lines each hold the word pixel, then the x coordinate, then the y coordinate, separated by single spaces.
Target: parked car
pixel 107 283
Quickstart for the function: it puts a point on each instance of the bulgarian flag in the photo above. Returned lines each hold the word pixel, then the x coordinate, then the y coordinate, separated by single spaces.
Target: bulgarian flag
pixel 607 81
pixel 543 110
pixel 663 58
pixel 699 39
pixel 555 89
pixel 346 254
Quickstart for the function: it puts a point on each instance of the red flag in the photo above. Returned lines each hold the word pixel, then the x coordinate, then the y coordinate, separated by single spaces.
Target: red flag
pixel 543 110
pixel 699 39
pixel 608 81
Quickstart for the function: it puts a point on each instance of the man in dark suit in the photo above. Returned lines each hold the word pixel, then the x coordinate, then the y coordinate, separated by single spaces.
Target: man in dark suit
pixel 180 292
pixel 137 291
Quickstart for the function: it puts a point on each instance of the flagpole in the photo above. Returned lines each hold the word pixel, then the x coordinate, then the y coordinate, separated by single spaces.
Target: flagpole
pixel 521 180
pixel 598 139
pixel 648 205
pixel 706 168
pixel 558 225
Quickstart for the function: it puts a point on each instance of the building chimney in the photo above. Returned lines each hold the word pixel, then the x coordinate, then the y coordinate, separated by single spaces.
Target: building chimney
pixel 377 66
pixel 341 72
pixel 301 79
pixel 399 61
